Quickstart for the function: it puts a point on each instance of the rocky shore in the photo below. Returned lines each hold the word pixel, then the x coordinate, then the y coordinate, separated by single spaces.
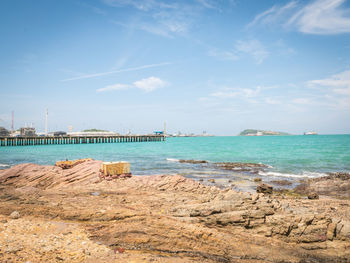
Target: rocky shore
pixel 50 214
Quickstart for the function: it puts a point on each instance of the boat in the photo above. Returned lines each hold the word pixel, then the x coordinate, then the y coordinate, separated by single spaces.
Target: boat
pixel 310 133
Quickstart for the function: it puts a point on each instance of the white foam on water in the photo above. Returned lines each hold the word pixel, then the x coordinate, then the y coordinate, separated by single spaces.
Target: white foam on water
pixel 4 165
pixel 268 166
pixel 303 175
pixel 172 160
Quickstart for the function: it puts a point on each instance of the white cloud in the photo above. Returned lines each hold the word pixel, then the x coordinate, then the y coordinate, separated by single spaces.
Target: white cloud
pixel 323 17
pixel 114 87
pixel 338 83
pixel 254 48
pixel 149 84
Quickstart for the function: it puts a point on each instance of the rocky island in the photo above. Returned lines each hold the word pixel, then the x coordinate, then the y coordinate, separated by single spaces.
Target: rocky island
pixel 51 214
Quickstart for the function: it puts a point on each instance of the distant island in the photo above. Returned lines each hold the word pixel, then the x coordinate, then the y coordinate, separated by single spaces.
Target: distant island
pixel 94 130
pixel 251 132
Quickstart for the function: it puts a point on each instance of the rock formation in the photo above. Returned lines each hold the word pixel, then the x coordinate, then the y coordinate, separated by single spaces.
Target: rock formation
pixel 70 215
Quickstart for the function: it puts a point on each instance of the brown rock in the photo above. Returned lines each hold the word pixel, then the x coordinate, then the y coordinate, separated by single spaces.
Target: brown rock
pixel 335 185
pixel 282 182
pixel 161 218
pixel 313 195
pixel 264 188
pixel 331 231
pixel 257 179
pixel 192 161
pixel 252 167
pixel 15 215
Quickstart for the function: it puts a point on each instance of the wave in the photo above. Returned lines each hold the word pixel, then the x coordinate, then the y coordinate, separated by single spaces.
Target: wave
pixel 302 175
pixel 4 165
pixel 172 160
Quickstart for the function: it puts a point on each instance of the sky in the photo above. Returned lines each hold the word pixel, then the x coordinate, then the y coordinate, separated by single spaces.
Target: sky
pixel 219 66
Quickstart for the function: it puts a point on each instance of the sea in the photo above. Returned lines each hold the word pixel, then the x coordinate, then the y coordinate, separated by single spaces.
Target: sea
pixel 287 158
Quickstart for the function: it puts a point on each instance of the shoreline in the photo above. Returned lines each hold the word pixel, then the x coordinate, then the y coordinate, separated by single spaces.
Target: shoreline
pixel 71 215
pixel 240 176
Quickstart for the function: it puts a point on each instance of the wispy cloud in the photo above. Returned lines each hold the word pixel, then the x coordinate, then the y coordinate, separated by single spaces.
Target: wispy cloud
pixel 237 92
pixel 301 101
pixel 94 75
pixel 272 101
pixel 253 48
pixel 114 87
pixel 223 55
pixel 273 14
pixel 147 85
pixel 143 5
pixel 338 83
pixel 158 18
pixel 165 18
pixel 323 17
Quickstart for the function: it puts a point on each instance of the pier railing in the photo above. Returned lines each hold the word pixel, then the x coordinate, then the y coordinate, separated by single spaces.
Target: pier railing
pixel 49 140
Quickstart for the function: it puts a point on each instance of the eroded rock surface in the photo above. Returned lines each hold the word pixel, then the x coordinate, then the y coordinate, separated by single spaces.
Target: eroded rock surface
pixel 160 218
pixel 335 185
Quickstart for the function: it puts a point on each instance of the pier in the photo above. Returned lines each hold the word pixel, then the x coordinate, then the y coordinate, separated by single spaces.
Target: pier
pixel 51 140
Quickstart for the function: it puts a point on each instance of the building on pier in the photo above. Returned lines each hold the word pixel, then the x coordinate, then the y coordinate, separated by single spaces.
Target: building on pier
pixel 4 132
pixel 27 132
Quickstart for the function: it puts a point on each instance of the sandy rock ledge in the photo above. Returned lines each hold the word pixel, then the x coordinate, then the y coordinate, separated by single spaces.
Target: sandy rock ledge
pixel 73 216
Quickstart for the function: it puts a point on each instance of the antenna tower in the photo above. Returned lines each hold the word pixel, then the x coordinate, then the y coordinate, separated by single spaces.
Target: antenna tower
pixel 46 120
pixel 13 121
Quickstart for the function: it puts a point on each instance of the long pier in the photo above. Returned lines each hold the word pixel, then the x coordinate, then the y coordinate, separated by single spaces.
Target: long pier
pixel 50 140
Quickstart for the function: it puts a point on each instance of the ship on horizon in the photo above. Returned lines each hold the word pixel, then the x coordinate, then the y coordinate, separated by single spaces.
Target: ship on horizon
pixel 310 133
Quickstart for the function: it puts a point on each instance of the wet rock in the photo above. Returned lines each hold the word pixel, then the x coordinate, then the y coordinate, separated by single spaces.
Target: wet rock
pixel 282 182
pixel 211 181
pixel 339 175
pixel 192 161
pixel 313 196
pixel 257 179
pixel 264 188
pixel 335 185
pixel 15 215
pixel 252 167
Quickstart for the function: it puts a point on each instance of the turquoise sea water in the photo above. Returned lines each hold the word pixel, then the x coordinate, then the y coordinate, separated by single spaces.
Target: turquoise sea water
pixel 289 156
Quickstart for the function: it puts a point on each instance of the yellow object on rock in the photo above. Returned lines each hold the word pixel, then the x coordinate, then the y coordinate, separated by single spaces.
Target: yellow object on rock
pixel 115 168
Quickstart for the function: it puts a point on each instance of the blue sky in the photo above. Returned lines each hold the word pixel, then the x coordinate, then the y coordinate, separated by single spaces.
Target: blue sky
pixel 200 65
